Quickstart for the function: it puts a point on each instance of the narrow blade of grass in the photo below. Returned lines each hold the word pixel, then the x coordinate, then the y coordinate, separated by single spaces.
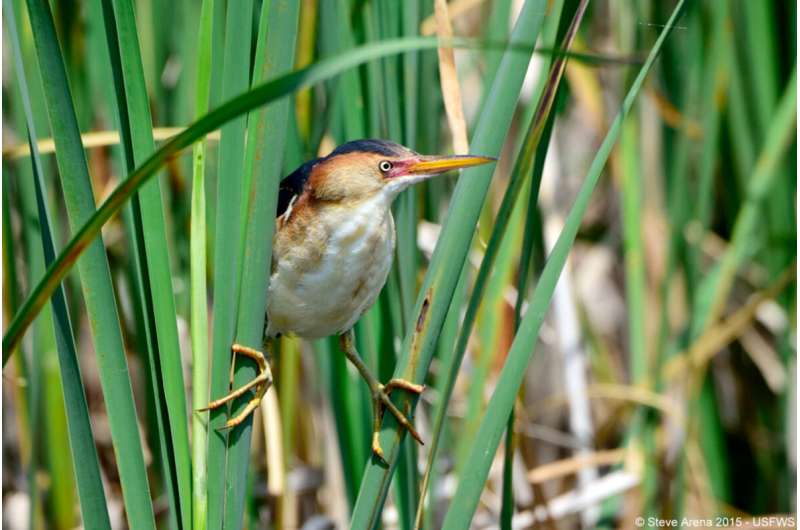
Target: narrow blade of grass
pixel 502 401
pixel 760 34
pixel 227 251
pixel 137 137
pixel 779 137
pixel 523 167
pixel 94 271
pixel 265 147
pixel 199 293
pixel 351 434
pixel 400 293
pixel 633 248
pixel 91 493
pixel 453 245
pixel 715 92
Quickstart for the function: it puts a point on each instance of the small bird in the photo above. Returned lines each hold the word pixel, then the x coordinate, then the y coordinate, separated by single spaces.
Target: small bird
pixel 331 255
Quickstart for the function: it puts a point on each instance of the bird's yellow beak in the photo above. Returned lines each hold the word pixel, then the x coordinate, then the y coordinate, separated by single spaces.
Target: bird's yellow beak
pixel 433 165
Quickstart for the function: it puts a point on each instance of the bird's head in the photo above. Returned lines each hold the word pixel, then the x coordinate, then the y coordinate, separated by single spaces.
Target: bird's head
pixel 363 168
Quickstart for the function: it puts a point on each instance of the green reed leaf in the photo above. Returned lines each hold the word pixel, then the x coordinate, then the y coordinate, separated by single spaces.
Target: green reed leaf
pixel 94 271
pixel 486 442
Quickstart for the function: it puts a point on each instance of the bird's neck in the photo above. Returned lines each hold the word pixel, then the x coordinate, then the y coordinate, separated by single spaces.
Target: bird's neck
pixel 364 217
pixel 373 208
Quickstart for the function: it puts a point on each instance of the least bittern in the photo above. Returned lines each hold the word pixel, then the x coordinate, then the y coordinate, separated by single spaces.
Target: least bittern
pixel 331 254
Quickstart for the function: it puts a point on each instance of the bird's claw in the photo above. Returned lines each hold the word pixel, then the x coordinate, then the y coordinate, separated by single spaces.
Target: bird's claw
pixel 382 401
pixel 261 383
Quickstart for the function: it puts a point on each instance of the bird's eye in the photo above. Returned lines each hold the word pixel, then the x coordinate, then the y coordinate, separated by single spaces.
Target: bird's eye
pixel 385 165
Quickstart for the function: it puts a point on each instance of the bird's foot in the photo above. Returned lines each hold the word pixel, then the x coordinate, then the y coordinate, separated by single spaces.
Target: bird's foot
pixel 261 383
pixel 380 394
pixel 381 401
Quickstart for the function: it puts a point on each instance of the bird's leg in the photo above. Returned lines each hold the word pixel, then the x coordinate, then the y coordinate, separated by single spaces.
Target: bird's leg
pixel 380 393
pixel 261 382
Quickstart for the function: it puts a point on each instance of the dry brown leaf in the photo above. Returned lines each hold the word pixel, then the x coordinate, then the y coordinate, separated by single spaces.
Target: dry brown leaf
pixel 719 335
pixel 92 140
pixel 451 91
pixel 574 464
pixel 456 9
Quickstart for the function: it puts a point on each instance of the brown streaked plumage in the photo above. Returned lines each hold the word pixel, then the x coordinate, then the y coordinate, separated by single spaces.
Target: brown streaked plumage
pixel 333 248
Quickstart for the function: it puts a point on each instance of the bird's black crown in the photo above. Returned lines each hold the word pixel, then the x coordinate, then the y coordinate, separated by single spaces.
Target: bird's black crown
pixel 381 147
